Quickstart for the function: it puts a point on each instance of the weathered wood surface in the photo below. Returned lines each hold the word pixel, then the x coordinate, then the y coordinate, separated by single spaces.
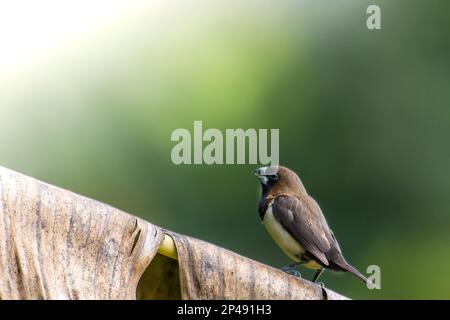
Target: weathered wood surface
pixel 55 244
pixel 210 272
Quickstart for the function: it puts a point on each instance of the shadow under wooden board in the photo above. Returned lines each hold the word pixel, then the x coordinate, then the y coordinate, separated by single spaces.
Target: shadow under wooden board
pixel 55 244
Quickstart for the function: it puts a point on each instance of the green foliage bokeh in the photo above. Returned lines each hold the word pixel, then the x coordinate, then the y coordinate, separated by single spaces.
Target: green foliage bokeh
pixel 363 118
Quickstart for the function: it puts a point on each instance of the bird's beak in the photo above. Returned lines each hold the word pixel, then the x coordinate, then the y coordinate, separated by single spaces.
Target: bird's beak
pixel 260 171
pixel 261 174
pixel 265 171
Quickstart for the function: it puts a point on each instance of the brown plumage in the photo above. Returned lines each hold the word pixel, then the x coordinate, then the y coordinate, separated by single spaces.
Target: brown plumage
pixel 296 223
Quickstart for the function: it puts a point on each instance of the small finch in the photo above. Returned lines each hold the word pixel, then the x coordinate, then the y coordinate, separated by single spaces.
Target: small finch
pixel 296 223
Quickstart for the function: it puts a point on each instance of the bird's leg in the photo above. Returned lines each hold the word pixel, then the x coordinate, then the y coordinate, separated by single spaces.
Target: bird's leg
pixel 290 269
pixel 317 275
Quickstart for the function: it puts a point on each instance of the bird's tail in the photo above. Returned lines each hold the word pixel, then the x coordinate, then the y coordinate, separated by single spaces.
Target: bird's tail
pixel 355 272
pixel 358 274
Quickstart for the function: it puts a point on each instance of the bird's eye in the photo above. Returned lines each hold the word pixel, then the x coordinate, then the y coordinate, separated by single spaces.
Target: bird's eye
pixel 272 177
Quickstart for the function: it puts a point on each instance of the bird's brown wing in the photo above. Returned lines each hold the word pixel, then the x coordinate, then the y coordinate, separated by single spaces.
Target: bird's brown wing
pixel 305 222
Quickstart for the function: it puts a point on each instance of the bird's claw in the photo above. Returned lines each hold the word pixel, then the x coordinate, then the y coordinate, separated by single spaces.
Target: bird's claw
pixel 291 271
pixel 294 273
pixel 320 284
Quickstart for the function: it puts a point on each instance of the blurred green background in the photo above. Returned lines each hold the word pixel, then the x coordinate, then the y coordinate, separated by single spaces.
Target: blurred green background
pixel 90 94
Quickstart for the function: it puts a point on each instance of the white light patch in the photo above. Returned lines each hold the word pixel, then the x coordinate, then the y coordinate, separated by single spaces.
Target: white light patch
pixel 30 29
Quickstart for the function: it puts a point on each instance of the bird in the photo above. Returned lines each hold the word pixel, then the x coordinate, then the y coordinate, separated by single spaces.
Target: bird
pixel 297 225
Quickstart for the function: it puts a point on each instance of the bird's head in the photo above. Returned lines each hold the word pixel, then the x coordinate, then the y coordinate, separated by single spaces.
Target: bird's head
pixel 279 180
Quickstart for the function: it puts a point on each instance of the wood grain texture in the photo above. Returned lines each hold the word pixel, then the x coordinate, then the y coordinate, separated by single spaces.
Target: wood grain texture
pixel 211 272
pixel 55 244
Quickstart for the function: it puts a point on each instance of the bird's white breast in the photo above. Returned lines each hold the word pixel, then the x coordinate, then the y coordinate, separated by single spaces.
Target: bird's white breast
pixel 281 237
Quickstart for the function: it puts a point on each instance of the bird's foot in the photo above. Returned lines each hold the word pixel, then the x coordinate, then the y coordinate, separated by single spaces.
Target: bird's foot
pixel 292 271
